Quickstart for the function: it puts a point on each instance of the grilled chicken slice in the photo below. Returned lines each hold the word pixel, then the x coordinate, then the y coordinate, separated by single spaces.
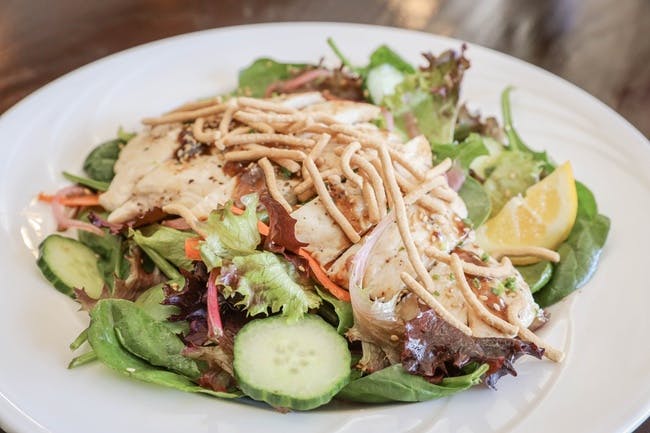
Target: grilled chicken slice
pixel 199 184
pixel 148 174
pixel 349 112
pixel 142 154
pixel 300 100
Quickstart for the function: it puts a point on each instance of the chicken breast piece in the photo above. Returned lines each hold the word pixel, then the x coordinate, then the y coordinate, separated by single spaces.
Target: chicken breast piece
pixel 142 154
pixel 349 112
pixel 300 100
pixel 198 184
pixel 314 227
pixel 389 258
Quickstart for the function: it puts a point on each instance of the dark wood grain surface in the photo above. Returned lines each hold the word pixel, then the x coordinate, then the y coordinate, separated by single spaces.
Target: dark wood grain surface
pixel 603 46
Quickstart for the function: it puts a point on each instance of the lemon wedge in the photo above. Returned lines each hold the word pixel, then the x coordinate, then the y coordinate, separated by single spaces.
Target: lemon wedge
pixel 542 218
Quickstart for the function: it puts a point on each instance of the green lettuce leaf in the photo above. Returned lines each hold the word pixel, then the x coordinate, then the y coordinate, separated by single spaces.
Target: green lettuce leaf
pixel 254 80
pixel 230 235
pixel 384 71
pixel 267 283
pixel 464 152
pixel 344 60
pixel 476 200
pixel 427 101
pixel 167 242
pixel 513 173
pixel 515 143
pixel 85 181
pixel 383 55
pixel 110 250
pixel 386 56
pixel 335 311
pixel 394 384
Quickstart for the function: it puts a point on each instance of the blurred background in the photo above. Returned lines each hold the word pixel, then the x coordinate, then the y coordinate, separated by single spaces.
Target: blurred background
pixel 603 46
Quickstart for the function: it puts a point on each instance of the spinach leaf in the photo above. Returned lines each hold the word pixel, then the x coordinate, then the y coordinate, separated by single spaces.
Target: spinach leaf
pixel 514 140
pixel 105 344
pixel 587 206
pixel 537 275
pixel 580 253
pixel 100 162
pixel 386 56
pixel 90 183
pixel 344 60
pixel 477 201
pixel 256 78
pixel 342 311
pixel 149 339
pixel 111 250
pixel 80 340
pixel 464 152
pixel 394 384
pixel 167 242
pixel 84 359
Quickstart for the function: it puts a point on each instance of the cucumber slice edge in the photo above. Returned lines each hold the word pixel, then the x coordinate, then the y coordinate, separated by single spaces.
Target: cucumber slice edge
pixel 284 383
pixel 55 254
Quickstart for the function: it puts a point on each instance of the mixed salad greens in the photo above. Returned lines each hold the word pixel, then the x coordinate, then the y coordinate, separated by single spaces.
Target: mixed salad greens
pixel 239 311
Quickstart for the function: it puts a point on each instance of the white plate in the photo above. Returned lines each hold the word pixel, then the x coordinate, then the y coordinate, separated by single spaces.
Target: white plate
pixel 603 385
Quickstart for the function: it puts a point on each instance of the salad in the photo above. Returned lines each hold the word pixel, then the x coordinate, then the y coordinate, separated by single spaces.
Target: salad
pixel 351 233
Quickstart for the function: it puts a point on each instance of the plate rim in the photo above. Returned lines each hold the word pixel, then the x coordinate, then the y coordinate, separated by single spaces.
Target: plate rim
pixel 23 420
pixel 55 82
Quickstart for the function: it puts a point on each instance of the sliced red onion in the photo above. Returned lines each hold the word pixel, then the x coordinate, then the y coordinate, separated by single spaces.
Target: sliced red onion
pixel 63 220
pixel 305 78
pixel 411 125
pixel 177 223
pixel 215 328
pixel 376 321
pixel 388 118
pixel 294 83
pixel 455 177
pixel 360 261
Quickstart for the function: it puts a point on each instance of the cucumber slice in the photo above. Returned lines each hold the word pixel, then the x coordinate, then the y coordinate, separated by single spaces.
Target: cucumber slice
pixel 299 365
pixel 67 263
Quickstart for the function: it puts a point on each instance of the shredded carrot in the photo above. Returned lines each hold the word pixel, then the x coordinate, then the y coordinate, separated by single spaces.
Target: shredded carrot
pixel 321 276
pixel 262 228
pixel 192 248
pixel 79 200
pixel 192 253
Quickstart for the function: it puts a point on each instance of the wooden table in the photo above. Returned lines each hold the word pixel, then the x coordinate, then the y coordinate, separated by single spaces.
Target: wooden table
pixel 600 45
